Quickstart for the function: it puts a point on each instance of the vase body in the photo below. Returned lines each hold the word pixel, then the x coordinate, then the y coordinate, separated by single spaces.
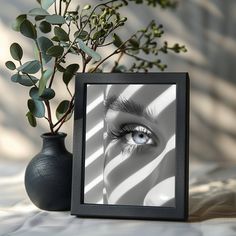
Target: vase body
pixel 48 175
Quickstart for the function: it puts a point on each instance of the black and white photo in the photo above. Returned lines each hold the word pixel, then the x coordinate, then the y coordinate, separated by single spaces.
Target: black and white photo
pixel 129 139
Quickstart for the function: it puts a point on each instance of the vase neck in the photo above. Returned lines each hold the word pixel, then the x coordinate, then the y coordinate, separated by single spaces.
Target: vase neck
pixel 53 144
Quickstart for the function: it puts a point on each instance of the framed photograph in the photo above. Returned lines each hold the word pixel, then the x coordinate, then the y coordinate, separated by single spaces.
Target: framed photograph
pixel 131 146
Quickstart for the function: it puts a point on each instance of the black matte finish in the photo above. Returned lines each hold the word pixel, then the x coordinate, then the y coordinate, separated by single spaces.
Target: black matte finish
pixel 48 175
pixel 180 212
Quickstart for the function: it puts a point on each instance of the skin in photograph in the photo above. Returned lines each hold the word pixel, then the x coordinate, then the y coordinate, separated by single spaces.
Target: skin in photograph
pixel 139 144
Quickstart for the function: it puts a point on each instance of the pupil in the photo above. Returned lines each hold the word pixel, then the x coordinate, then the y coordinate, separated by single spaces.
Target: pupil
pixel 139 137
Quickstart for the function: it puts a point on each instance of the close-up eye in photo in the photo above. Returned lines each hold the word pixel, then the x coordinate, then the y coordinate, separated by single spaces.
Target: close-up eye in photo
pixel 134 130
pixel 132 135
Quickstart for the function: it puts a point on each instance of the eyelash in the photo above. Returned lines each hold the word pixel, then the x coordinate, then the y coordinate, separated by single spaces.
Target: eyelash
pixel 117 134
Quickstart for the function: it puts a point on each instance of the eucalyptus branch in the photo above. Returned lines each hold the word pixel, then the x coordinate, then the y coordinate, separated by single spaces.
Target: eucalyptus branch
pixel 55 8
pixel 30 79
pixel 94 9
pixel 66 8
pixel 82 28
pixel 49 116
pixel 94 27
pixel 60 6
pixel 117 62
pixel 102 61
pixel 84 64
pixel 64 119
pixel 71 107
pixel 40 56
pixel 144 31
pixel 104 45
pixel 137 57
pixel 69 91
pixel 118 50
pixel 53 74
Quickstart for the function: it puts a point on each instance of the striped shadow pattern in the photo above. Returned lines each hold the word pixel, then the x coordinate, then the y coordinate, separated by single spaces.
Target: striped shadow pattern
pixel 141 184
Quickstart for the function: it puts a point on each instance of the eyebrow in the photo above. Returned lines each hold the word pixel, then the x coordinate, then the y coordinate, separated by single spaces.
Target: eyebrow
pixel 127 106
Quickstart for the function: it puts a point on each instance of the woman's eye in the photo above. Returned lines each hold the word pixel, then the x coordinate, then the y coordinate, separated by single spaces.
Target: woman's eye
pixel 139 137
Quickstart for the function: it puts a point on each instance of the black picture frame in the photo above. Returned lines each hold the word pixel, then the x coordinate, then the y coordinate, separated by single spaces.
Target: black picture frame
pixel 177 213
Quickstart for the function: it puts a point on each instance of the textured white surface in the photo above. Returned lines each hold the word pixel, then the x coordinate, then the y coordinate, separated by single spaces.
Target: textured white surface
pixel 212 194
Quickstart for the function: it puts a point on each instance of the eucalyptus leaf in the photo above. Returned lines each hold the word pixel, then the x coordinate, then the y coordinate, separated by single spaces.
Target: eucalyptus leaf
pixel 10 65
pixel 31 119
pixel 61 34
pixel 15 78
pixel 117 40
pixel 44 45
pixel 48 94
pixel 46 3
pixel 28 29
pixel 45 27
pixel 98 34
pixel 34 93
pixel 44 79
pixel 70 72
pixel 55 19
pixel 82 35
pixel 55 39
pixel 134 43
pixel 60 68
pixel 72 68
pixel 16 51
pixel 27 81
pixel 16 24
pixel 62 109
pixel 89 51
pixel 36 107
pixel 38 12
pixel 39 18
pixel 30 67
pixel 55 51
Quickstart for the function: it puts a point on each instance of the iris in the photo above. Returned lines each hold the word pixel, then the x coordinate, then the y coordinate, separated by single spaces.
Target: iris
pixel 139 137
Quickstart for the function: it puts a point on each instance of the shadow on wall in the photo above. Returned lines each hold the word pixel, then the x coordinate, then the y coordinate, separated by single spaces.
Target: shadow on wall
pixel 208 29
pixel 18 140
pixel 205 27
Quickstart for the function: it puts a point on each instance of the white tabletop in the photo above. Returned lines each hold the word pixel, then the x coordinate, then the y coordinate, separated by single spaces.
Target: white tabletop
pixel 213 195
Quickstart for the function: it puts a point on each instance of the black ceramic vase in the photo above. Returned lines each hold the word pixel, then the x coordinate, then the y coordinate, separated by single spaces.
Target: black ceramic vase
pixel 48 175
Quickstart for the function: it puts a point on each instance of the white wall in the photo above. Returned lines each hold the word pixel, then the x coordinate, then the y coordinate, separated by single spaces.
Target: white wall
pixel 206 27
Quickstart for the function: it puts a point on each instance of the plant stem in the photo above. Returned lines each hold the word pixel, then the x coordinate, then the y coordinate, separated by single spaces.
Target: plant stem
pixel 118 50
pixel 112 54
pixel 55 8
pixel 49 116
pixel 117 61
pixel 60 6
pixel 84 64
pixel 40 56
pixel 137 58
pixel 53 74
pixel 142 34
pixel 63 118
pixel 66 8
pixel 104 45
pixel 69 91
